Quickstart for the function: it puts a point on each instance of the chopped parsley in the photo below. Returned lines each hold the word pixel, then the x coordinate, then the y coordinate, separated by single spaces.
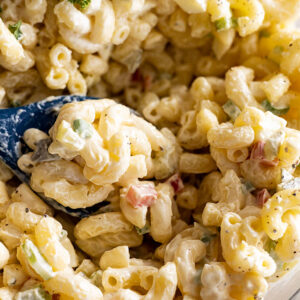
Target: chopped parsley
pixel 83 4
pixel 276 111
pixel 15 29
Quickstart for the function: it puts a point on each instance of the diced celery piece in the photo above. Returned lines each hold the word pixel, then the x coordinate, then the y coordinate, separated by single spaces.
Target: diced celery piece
pixel 83 128
pixel 231 110
pixel 36 260
pixel 276 111
pixel 70 139
pixel 36 293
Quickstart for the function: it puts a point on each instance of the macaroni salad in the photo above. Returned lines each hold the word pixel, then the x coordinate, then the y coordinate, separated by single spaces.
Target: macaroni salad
pixel 191 152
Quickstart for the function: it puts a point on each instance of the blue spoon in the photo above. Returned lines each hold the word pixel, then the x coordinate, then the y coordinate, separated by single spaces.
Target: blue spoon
pixel 41 115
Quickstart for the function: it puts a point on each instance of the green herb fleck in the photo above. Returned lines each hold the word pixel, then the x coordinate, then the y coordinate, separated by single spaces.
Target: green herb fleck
pixel 63 234
pixel 276 111
pixel 278 49
pixel 15 29
pixel 83 128
pixel 234 22
pixel 207 238
pixel 222 24
pixel 264 33
pixel 231 110
pixel 270 246
pixel 247 187
pixel 144 230
pixel 83 4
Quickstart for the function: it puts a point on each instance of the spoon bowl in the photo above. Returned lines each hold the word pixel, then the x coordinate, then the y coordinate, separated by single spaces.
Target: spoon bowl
pixel 41 115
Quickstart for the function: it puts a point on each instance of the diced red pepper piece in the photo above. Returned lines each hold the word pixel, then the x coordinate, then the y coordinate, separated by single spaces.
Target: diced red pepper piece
pixel 147 82
pixel 143 194
pixel 269 163
pixel 262 197
pixel 258 153
pixel 176 182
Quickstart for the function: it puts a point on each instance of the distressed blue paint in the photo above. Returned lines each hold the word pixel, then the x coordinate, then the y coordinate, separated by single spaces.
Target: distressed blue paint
pixel 42 115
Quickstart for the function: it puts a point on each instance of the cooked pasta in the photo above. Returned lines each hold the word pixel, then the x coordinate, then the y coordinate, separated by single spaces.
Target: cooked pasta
pixel 183 161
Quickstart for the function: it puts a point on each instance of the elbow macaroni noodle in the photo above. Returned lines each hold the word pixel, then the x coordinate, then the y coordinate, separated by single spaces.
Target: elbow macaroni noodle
pixel 191 153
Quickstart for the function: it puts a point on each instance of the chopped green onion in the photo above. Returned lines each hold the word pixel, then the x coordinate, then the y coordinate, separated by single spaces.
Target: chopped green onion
pixel 144 230
pixel 231 110
pixel 278 49
pixel 36 293
pixel 36 260
pixel 82 3
pixel 223 24
pixel 276 111
pixel 15 29
pixel 264 33
pixel 83 128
